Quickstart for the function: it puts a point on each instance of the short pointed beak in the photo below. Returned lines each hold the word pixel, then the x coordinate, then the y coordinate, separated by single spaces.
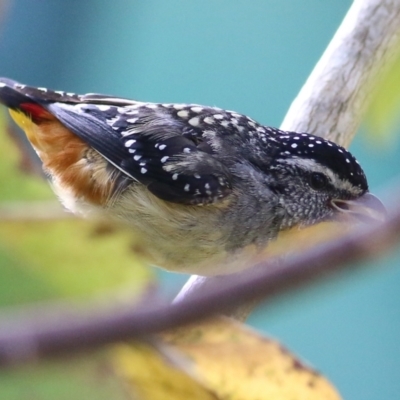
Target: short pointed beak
pixel 367 208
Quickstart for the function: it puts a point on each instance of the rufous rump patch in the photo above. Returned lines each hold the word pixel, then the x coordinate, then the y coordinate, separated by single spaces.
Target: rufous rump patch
pixel 64 156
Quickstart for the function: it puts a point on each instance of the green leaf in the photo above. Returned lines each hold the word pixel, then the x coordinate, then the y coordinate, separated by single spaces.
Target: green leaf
pixel 383 117
pixel 79 378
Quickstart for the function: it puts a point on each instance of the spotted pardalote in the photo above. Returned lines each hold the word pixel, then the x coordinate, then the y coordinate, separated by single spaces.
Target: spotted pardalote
pixel 204 188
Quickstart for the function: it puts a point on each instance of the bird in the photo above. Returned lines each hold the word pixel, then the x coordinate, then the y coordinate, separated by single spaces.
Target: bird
pixel 204 189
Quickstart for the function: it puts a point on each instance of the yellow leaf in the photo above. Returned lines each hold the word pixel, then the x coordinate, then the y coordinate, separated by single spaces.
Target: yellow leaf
pixel 239 364
pixel 150 375
pixel 225 358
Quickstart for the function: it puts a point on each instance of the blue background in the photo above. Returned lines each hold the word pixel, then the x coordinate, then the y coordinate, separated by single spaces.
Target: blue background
pixel 249 56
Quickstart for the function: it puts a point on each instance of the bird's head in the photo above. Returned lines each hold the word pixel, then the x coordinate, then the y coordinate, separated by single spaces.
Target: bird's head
pixel 317 180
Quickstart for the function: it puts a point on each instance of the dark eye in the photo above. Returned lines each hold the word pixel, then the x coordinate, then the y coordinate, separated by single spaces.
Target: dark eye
pixel 318 181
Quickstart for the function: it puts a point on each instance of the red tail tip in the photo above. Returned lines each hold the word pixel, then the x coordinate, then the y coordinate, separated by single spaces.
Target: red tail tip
pixel 36 111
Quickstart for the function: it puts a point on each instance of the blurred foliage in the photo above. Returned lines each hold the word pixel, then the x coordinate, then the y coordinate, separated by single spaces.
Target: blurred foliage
pixel 79 378
pixel 218 359
pixel 17 184
pixel 70 258
pixel 383 117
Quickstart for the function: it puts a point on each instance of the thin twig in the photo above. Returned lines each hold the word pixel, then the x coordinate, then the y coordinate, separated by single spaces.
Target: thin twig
pixel 37 332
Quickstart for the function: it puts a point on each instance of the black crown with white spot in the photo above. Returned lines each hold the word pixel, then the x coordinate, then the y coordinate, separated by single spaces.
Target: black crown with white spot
pixel 324 152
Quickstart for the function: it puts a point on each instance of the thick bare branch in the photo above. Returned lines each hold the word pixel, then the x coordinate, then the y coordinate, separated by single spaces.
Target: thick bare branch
pixel 332 101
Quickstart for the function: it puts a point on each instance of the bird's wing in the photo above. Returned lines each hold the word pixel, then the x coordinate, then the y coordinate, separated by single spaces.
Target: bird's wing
pixel 143 140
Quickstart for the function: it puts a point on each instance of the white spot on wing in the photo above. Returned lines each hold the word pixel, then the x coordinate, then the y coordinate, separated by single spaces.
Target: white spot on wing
pixel 194 121
pixel 183 114
pixel 103 107
pixel 130 142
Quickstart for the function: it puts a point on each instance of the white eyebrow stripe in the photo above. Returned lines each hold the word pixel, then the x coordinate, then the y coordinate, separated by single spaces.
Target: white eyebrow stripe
pixel 314 166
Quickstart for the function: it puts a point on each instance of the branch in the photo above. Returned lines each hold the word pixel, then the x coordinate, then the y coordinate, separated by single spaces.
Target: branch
pixel 332 101
pixel 31 333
